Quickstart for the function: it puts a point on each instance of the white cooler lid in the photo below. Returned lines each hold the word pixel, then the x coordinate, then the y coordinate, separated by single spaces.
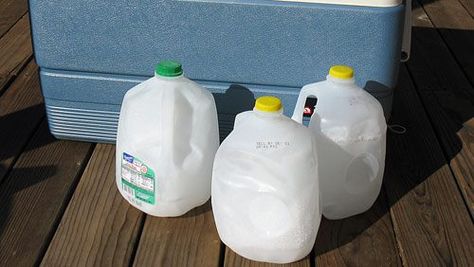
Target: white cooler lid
pixel 367 3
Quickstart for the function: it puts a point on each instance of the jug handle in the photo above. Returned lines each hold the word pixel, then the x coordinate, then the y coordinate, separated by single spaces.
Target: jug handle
pixel 300 104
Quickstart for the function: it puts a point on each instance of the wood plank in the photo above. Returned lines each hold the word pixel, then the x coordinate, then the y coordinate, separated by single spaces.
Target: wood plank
pixel 431 222
pixel 462 165
pixel 34 195
pixel 233 259
pixel 21 110
pixel 3 83
pixel 10 13
pixel 189 240
pixel 469 6
pixel 6 81
pixel 367 239
pixel 448 98
pixel 99 228
pixel 456 26
pixel 15 49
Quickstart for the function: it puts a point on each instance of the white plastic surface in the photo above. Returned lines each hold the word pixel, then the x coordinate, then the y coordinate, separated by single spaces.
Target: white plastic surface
pixel 368 3
pixel 170 125
pixel 265 190
pixel 351 131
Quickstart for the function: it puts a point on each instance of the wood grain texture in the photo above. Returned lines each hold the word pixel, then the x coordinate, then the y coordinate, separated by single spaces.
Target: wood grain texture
pixel 456 26
pixel 15 49
pixel 469 6
pixel 366 239
pixel 11 11
pixel 21 110
pixel 448 98
pixel 3 83
pixel 462 166
pixel 431 222
pixel 233 259
pixel 189 240
pixel 99 228
pixel 34 195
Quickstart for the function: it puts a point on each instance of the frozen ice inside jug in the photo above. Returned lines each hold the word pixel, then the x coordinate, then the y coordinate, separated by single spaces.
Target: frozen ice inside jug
pixel 265 189
pixel 351 137
pixel 166 142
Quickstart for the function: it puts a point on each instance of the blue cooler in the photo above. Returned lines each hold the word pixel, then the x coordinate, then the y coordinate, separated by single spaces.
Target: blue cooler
pixel 91 52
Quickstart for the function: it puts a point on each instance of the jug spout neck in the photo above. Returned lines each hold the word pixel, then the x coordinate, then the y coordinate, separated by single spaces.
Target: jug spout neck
pixel 275 114
pixel 341 82
pixel 164 78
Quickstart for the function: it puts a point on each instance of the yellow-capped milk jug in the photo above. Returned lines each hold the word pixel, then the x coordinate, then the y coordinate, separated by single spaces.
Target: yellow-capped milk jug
pixel 265 191
pixel 351 131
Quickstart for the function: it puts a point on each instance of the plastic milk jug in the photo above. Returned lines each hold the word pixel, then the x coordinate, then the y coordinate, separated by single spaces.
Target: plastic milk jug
pixel 265 191
pixel 351 132
pixel 166 142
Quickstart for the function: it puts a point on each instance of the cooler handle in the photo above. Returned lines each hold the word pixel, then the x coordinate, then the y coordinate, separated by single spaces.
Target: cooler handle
pixel 406 41
pixel 300 103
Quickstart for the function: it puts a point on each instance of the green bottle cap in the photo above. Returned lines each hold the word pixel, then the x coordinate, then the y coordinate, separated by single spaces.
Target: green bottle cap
pixel 169 68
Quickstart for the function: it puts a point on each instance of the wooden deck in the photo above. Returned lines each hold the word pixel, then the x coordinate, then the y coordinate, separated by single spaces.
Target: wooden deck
pixel 59 205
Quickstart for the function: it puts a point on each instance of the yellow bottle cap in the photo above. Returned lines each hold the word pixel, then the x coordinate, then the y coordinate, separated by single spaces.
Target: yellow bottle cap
pixel 268 104
pixel 341 72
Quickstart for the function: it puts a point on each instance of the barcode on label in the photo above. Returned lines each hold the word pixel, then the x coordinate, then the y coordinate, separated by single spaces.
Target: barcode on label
pixel 129 190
